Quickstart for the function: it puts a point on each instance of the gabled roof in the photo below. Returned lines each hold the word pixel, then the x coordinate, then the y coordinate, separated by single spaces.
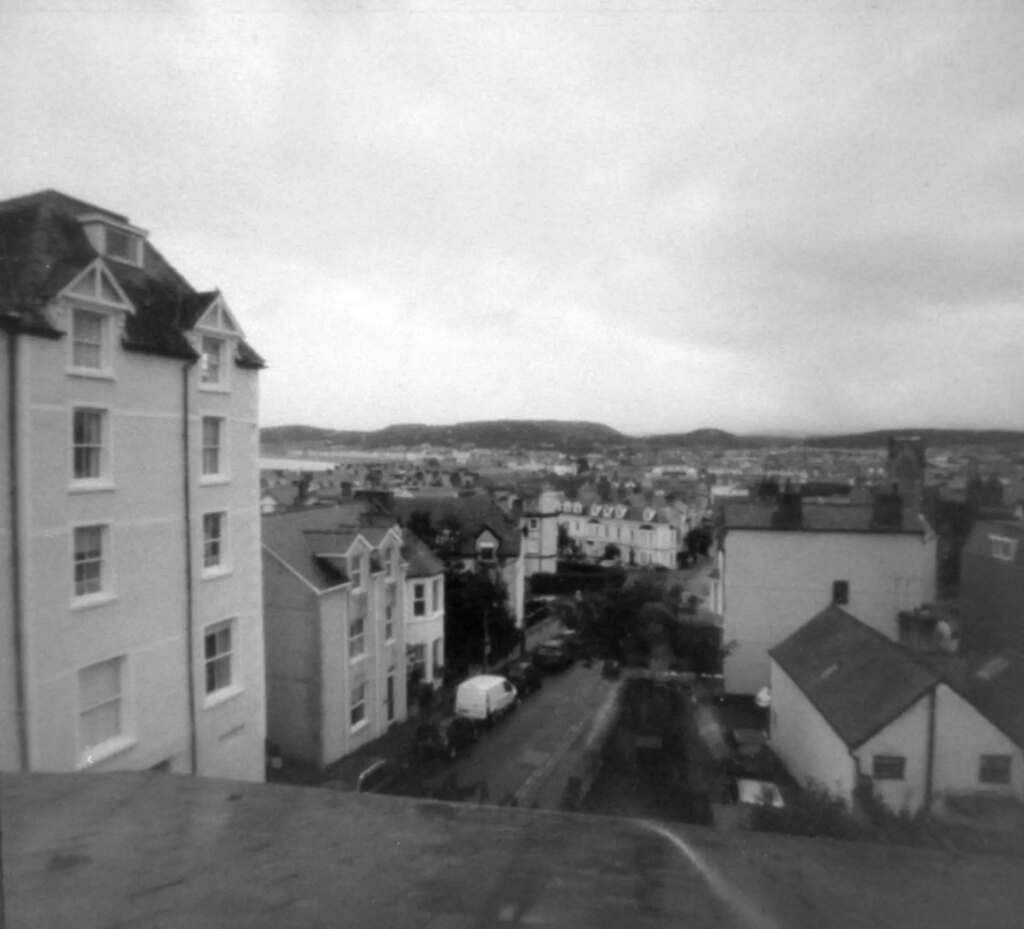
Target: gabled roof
pixel 995 688
pixel 473 514
pixel 857 679
pixel 309 540
pixel 422 561
pixel 44 247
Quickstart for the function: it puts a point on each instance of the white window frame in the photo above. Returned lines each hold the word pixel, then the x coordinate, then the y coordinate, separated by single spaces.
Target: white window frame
pixel 220 380
pixel 1003 548
pixel 356 639
pixel 222 690
pixel 219 543
pixel 104 592
pixel 122 739
pixel 487 552
pixel 357 706
pixel 219 472
pixel 102 479
pixel 134 241
pixel 102 345
pixel 389 622
pixel 1000 760
pixel 356 572
pixel 888 763
pixel 419 598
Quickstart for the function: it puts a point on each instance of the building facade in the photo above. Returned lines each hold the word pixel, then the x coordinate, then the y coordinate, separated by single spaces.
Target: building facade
pixel 540 533
pixel 334 618
pixel 644 535
pixel 129 546
pixel 992 586
pixel 424 613
pixel 779 563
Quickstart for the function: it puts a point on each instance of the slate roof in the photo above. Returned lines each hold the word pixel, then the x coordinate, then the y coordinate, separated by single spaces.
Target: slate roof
pixel 43 248
pixel 422 561
pixel 818 517
pixel 979 543
pixel 857 679
pixel 305 540
pixel 996 690
pixel 474 515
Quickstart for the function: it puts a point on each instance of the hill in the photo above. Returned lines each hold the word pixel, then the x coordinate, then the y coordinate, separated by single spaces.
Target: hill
pixel 502 433
pixel 999 438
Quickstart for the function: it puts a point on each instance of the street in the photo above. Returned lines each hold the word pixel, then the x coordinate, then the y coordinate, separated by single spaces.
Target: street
pixel 526 755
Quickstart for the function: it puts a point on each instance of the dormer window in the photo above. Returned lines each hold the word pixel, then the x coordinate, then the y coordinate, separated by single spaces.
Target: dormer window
pixel 212 361
pixel 88 339
pixel 113 238
pixel 487 552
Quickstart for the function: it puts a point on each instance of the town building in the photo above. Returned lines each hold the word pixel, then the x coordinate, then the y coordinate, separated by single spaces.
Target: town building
pixel 130 602
pixel 334 595
pixel 853 710
pixel 780 561
pixel 642 533
pixel 992 586
pixel 540 517
pixel 424 614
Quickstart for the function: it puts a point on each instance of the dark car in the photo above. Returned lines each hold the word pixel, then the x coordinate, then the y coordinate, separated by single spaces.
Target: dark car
pixel 526 677
pixel 750 757
pixel 364 775
pixel 553 655
pixel 450 737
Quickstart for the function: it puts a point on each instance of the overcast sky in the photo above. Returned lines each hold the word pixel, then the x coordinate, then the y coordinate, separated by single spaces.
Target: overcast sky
pixel 658 215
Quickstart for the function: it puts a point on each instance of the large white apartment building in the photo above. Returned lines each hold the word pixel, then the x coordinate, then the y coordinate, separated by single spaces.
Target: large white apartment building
pixel 130 600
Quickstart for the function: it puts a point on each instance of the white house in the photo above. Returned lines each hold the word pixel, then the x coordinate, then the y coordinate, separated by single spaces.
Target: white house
pixel 333 598
pixel 851 707
pixel 130 601
pixel 644 534
pixel 540 533
pixel 781 562
pixel 424 612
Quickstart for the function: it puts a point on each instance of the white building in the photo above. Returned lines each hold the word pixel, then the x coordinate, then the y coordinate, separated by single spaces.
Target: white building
pixel 334 592
pixel 540 533
pixel 130 602
pixel 644 535
pixel 424 612
pixel 851 707
pixel 780 563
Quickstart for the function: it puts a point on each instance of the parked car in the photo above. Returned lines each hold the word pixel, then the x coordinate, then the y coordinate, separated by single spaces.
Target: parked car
pixel 367 775
pixel 755 792
pixel 553 655
pixel 750 756
pixel 525 677
pixel 485 698
pixel 448 738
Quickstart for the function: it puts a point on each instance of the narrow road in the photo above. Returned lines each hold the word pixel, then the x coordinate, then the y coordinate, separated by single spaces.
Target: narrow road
pixel 523 751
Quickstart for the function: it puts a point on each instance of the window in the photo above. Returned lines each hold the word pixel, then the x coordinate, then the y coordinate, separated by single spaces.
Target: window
pixel 122 245
pixel 355 572
pixel 214 541
pixel 357 711
pixel 888 767
pixel 391 563
pixel 356 638
pixel 486 551
pixel 1003 548
pixel 389 623
pixel 217 655
pixel 533 524
pixel 419 599
pixel 437 594
pixel 213 361
pixel 88 560
pixel 841 592
pixel 416 659
pixel 89 459
pixel 100 710
pixel 213 439
pixel 88 340
pixel 994 769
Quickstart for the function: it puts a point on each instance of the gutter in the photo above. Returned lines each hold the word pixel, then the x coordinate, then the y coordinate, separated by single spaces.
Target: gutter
pixel 190 673
pixel 17 600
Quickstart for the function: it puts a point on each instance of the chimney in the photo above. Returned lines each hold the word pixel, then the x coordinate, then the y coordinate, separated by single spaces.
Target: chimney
pixel 788 511
pixel 887 511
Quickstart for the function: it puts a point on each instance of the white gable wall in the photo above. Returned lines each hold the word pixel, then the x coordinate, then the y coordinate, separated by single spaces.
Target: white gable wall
pixel 775 581
pixel 808 747
pixel 906 736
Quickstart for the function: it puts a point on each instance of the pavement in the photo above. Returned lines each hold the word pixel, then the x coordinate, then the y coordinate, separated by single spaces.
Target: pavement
pixel 159 851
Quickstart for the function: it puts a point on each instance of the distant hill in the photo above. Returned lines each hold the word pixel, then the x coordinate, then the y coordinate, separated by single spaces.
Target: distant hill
pixel 932 438
pixel 502 433
pixel 579 437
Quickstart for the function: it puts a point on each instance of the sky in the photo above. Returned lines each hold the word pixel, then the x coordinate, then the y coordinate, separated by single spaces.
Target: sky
pixel 659 215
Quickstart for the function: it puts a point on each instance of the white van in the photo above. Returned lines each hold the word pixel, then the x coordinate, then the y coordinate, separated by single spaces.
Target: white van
pixel 485 697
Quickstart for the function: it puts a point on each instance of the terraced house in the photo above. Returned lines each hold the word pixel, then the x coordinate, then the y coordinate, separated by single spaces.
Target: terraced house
pixel 644 534
pixel 130 606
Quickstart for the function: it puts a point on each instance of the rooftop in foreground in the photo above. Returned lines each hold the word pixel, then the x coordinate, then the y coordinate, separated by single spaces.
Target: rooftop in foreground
pixel 147 850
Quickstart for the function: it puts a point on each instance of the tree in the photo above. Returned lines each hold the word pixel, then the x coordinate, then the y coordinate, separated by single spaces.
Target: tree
pixel 612 552
pixel 476 605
